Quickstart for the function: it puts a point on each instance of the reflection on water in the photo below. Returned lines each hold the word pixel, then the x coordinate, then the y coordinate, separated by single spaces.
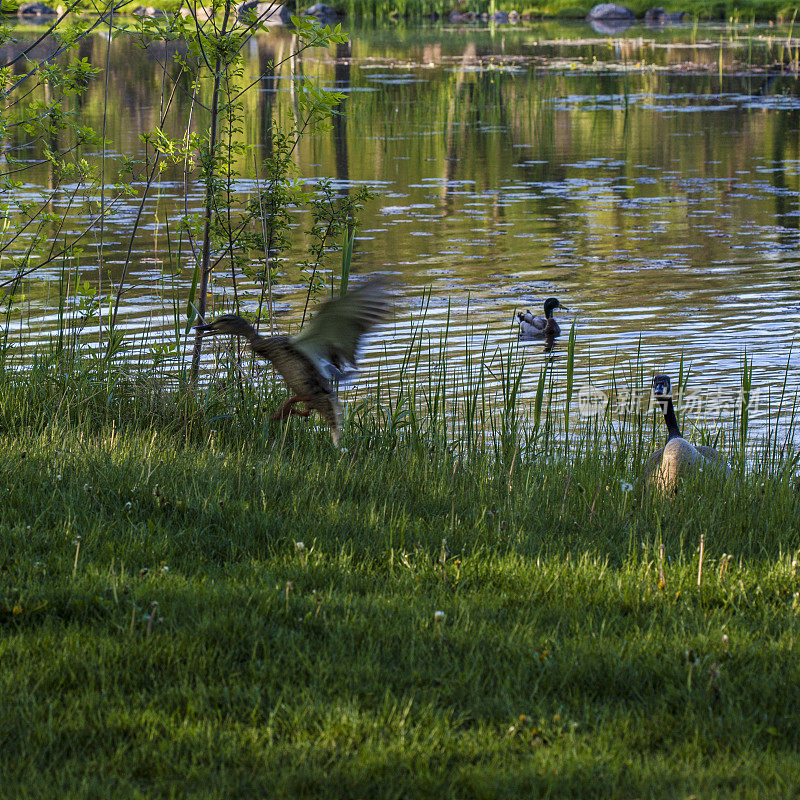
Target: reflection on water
pixel 650 179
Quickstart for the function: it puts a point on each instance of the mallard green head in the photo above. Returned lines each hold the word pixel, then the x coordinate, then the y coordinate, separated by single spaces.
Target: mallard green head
pixel 550 305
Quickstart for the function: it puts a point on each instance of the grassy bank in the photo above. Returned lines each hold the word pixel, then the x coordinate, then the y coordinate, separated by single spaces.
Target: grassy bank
pixel 296 650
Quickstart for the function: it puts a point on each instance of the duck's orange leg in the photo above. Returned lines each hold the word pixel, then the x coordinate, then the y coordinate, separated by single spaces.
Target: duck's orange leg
pixel 302 412
pixel 288 410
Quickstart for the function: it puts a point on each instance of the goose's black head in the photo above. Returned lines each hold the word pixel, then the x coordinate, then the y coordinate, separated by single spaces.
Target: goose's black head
pixel 662 387
pixel 550 305
pixel 662 391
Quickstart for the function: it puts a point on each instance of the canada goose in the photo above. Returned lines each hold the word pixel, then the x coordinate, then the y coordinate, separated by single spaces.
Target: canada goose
pixel 677 457
pixel 308 361
pixel 540 326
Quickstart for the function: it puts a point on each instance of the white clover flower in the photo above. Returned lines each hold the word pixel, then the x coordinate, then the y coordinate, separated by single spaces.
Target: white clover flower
pixel 164 569
pixel 58 477
pixel 625 486
pixel 128 505
pixel 300 546
pixel 438 616
pixel 725 638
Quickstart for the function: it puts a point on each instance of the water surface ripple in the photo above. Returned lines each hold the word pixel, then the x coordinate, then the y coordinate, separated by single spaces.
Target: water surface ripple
pixel 650 180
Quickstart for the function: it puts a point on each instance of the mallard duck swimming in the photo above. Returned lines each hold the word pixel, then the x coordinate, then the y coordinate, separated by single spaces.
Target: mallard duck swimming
pixel 677 457
pixel 321 351
pixel 540 326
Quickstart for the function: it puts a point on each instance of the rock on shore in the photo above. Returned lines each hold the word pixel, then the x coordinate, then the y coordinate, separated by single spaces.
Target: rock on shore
pixel 609 11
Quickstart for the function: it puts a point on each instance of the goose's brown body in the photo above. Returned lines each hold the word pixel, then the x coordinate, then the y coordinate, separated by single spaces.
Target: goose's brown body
pixel 676 459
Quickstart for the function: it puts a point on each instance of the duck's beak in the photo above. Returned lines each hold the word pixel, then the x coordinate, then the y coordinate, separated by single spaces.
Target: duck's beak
pixel 563 308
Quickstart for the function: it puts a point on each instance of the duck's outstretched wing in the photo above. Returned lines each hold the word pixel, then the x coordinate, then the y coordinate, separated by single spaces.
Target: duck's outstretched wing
pixel 332 337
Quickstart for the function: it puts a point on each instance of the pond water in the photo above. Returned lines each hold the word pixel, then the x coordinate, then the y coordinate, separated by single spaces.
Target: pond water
pixel 649 179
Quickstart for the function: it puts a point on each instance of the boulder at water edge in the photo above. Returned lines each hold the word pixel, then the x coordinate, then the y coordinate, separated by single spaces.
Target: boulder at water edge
pixel 266 13
pixel 323 13
pixel 657 16
pixel 610 11
pixel 202 14
pixel 463 16
pixel 35 10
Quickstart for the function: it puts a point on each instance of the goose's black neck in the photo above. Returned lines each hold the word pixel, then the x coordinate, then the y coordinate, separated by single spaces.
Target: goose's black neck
pixel 669 417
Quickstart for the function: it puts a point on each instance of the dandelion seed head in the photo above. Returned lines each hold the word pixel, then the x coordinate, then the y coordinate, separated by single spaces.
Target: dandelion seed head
pixel 438 616
pixel 625 486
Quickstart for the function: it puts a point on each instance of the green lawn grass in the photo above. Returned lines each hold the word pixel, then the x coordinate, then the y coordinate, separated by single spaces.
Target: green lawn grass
pixel 561 667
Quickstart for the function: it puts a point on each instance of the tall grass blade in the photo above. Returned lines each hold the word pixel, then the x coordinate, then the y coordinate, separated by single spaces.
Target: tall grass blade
pixel 347 258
